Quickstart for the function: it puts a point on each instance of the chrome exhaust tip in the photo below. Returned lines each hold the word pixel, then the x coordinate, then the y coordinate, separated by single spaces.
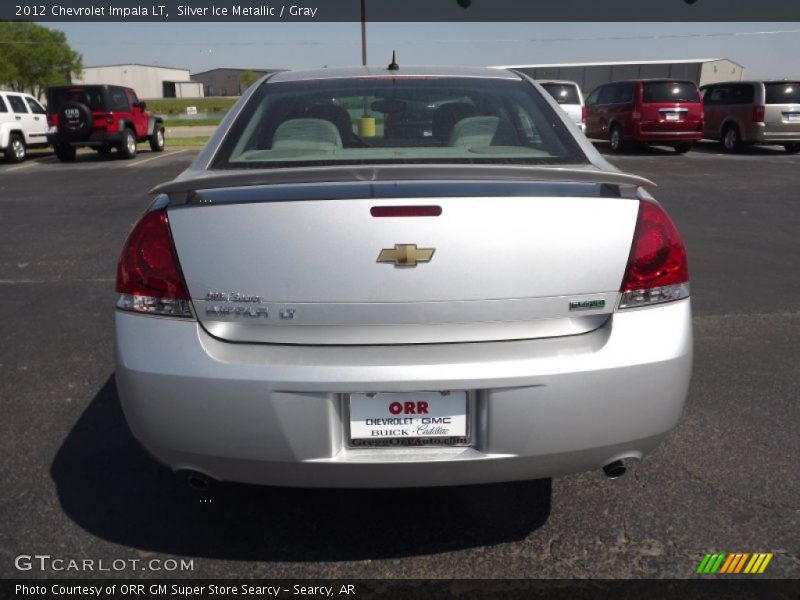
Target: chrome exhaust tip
pixel 614 470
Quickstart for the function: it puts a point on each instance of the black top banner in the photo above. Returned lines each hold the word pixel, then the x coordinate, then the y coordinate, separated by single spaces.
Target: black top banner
pixel 401 10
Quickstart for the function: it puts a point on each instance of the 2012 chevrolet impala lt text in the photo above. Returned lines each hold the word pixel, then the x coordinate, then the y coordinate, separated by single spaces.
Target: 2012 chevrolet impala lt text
pixel 401 277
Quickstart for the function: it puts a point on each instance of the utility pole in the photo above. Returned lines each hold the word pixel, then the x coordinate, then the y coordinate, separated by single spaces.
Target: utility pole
pixel 364 32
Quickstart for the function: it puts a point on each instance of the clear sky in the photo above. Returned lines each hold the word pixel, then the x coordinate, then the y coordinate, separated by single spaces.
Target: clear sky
pixel 765 49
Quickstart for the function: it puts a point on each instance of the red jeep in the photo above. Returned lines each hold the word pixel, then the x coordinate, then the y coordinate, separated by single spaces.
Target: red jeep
pixel 101 117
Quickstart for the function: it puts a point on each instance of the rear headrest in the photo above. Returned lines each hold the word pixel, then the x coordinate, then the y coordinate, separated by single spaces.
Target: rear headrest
pixel 315 134
pixel 480 132
pixel 446 116
pixel 336 115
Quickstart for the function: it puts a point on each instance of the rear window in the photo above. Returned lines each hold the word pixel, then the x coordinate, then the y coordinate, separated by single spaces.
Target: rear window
pixel 118 100
pixel 92 97
pixel 35 107
pixel 563 93
pixel 402 120
pixel 3 105
pixel 783 93
pixel 669 91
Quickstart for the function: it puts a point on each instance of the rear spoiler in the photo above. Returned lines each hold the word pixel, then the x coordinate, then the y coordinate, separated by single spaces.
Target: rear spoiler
pixel 208 180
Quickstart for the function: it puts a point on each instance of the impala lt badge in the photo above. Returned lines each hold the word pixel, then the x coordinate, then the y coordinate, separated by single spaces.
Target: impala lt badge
pixel 406 255
pixel 587 304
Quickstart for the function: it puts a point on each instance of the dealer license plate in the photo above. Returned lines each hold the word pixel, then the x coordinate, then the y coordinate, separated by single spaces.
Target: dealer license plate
pixel 409 419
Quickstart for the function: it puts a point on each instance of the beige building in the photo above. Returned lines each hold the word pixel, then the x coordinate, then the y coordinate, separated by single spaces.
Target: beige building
pixel 149 81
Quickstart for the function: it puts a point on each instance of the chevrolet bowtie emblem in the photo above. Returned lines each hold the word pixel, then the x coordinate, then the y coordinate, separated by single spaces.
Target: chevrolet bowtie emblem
pixel 405 255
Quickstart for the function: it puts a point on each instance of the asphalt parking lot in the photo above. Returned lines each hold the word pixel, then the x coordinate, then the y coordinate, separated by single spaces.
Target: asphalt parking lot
pixel 77 486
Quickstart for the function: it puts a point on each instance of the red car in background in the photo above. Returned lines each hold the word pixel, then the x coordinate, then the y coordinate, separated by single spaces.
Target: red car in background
pixel 651 111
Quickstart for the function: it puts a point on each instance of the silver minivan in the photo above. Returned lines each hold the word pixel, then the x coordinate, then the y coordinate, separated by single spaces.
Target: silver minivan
pixel 570 99
pixel 753 112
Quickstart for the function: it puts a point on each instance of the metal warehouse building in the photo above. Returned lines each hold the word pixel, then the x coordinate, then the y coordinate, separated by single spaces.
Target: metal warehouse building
pixel 226 82
pixel 149 81
pixel 590 75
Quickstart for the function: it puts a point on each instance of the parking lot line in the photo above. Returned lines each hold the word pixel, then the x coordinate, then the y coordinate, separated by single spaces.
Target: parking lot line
pixel 26 164
pixel 160 155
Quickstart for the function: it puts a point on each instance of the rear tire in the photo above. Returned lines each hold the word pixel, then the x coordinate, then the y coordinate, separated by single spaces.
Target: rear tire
pixel 65 152
pixel 683 148
pixel 127 148
pixel 731 139
pixel 157 139
pixel 17 150
pixel 792 148
pixel 616 139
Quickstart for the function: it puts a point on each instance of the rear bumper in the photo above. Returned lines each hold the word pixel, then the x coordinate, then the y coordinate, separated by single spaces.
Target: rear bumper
pixel 276 415
pixel 759 133
pixel 675 137
pixel 106 138
pixel 764 136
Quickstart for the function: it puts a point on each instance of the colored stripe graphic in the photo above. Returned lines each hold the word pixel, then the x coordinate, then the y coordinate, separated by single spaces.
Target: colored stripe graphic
pixel 741 562
pixel 734 563
pixel 727 564
pixel 767 558
pixel 718 562
pixel 757 558
pixel 730 566
pixel 703 563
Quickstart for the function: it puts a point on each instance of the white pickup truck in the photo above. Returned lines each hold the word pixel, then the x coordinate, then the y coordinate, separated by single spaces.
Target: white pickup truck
pixel 23 124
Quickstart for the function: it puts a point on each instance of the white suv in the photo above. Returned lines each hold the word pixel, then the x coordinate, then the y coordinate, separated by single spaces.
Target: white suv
pixel 23 123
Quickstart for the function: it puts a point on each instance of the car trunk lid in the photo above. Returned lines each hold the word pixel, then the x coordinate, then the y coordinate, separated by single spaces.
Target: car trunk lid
pixel 313 264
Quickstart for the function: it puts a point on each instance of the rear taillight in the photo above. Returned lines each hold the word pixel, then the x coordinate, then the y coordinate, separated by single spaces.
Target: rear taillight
pixel 583 114
pixel 104 116
pixel 657 270
pixel 149 277
pixel 758 114
pixel 52 120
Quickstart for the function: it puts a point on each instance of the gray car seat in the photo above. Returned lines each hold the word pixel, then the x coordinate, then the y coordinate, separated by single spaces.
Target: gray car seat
pixel 307 134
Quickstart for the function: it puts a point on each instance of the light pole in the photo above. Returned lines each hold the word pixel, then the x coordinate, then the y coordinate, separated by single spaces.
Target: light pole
pixel 364 32
pixel 366 124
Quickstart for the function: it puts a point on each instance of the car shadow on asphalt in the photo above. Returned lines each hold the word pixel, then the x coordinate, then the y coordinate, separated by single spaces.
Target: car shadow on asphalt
pixel 108 485
pixel 635 150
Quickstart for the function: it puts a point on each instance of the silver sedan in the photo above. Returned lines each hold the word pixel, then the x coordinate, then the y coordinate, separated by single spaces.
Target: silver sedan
pixel 401 277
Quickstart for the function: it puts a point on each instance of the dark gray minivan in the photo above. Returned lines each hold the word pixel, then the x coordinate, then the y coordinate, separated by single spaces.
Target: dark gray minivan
pixel 753 112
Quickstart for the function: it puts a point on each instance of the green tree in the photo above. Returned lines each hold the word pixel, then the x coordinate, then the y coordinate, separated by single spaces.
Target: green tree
pixel 247 78
pixel 7 71
pixel 33 57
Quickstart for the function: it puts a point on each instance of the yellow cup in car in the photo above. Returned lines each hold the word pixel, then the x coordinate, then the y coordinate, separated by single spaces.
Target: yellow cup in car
pixel 366 126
